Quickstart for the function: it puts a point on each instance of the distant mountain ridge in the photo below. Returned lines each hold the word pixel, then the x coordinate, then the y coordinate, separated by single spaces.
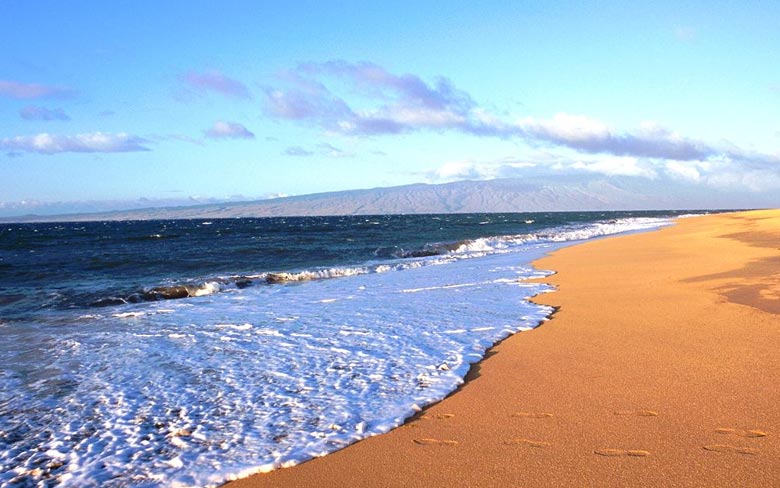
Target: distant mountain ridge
pixel 534 194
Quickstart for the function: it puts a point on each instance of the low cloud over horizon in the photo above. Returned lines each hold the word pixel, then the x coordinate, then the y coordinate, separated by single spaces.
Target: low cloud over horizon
pixel 95 142
pixel 44 207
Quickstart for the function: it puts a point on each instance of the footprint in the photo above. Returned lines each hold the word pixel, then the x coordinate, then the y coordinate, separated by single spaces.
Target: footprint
pixel 526 442
pixel 741 433
pixel 435 442
pixel 728 448
pixel 638 413
pixel 532 415
pixel 438 416
pixel 622 452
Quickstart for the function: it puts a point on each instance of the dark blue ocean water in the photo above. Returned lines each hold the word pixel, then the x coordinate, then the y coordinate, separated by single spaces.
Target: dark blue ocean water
pixel 75 265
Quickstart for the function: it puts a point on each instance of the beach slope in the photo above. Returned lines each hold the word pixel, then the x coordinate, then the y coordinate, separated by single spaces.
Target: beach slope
pixel 660 368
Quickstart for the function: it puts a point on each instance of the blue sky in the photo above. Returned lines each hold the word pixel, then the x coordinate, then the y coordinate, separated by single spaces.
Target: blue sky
pixel 175 102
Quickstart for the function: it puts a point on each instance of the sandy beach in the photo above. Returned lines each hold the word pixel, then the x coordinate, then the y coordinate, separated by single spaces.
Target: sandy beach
pixel 660 368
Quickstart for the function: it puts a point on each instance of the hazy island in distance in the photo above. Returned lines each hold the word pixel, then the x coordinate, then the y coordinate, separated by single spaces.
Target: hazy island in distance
pixel 499 195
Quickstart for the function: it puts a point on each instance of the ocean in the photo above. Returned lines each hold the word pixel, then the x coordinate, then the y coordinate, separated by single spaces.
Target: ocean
pixel 191 352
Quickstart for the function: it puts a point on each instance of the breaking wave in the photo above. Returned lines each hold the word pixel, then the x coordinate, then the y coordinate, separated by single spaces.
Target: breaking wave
pixel 396 260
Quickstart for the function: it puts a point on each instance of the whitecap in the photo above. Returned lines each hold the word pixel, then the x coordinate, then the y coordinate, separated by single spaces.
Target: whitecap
pixel 128 315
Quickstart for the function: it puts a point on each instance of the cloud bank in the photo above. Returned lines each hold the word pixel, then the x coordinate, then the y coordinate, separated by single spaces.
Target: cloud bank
pixel 40 207
pixel 228 130
pixel 405 103
pixel 214 81
pixel 394 104
pixel 378 102
pixel 724 174
pixel 95 142
pixel 19 90
pixel 592 136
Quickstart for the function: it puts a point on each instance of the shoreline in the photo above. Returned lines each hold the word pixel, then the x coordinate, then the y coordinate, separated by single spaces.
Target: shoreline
pixel 639 390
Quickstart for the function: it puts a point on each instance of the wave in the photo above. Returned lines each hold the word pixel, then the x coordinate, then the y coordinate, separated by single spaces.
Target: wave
pixel 571 232
pixel 396 259
pixel 174 292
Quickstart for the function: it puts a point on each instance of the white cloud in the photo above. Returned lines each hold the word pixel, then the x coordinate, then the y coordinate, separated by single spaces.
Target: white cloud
pixel 730 176
pixel 95 142
pixel 616 166
pixel 391 103
pixel 228 130
pixel 459 170
pixel 592 136
pixel 720 173
pixel 477 170
pixel 364 99
pixel 421 116
pixel 566 127
pixel 682 170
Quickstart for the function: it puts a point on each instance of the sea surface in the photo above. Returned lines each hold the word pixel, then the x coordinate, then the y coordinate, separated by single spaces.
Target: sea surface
pixel 190 352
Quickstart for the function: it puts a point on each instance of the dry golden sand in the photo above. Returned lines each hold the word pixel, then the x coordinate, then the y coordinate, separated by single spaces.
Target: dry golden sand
pixel 661 368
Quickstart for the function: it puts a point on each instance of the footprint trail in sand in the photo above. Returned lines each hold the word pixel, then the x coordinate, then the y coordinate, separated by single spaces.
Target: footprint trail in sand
pixel 435 442
pixel 622 452
pixel 741 433
pixel 532 415
pixel 726 448
pixel 637 413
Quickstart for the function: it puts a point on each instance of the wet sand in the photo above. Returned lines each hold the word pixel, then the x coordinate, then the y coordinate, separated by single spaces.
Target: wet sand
pixel 660 368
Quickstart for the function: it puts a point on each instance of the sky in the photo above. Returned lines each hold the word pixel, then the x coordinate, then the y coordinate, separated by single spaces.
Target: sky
pixel 108 105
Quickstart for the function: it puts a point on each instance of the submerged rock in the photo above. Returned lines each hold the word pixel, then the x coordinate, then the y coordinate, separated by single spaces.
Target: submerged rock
pixel 243 283
pixel 171 292
pixel 278 277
